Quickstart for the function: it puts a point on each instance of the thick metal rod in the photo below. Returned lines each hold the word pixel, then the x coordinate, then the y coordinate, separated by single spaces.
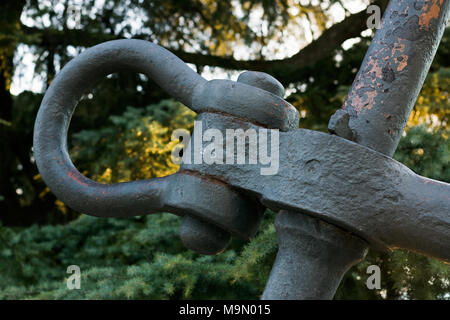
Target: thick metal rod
pixel 388 83
pixel 313 255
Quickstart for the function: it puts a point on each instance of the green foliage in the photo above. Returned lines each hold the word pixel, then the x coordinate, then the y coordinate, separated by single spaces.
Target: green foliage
pixel 136 144
pixel 427 152
pixel 136 258
pixel 433 105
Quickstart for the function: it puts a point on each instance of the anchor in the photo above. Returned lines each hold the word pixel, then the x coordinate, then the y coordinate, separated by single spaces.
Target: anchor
pixel 336 195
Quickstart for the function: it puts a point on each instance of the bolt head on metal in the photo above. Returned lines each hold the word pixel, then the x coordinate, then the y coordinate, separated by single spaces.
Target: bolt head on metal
pixel 202 237
pixel 262 81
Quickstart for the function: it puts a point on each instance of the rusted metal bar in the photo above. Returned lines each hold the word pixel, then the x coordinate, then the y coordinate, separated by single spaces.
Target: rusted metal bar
pixel 388 83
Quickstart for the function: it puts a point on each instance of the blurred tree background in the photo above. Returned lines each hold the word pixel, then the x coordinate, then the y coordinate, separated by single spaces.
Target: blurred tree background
pixel 121 132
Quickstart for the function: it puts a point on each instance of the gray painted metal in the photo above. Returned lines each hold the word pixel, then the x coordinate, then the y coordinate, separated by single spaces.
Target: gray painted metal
pixel 246 102
pixel 312 258
pixel 344 183
pixel 335 196
pixel 231 96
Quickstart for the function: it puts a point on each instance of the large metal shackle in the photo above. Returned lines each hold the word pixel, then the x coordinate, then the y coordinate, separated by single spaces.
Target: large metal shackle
pixel 212 210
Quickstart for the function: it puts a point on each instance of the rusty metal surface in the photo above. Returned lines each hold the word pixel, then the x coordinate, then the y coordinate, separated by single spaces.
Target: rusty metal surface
pixel 335 196
pixel 392 74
